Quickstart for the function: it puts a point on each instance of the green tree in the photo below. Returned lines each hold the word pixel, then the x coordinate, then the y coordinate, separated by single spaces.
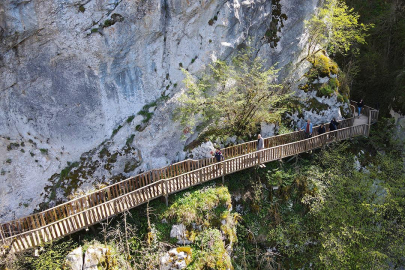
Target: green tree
pixel 232 99
pixel 380 79
pixel 336 27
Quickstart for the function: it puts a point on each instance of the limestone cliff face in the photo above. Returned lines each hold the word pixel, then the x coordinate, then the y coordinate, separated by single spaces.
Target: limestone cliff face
pixel 72 71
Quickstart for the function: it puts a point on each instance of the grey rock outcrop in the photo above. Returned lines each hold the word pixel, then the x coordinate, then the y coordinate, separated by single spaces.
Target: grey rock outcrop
pixel 179 231
pixel 174 259
pixel 74 260
pixel 93 257
pixel 73 71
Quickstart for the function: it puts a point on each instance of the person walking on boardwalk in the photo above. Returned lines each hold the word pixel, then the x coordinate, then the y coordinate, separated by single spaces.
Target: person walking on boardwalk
pixel 360 106
pixel 260 146
pixel 218 155
pixel 260 142
pixel 307 127
pixel 321 129
pixel 333 125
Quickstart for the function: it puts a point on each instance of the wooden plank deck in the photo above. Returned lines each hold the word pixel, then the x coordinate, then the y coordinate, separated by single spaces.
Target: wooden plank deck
pixel 90 209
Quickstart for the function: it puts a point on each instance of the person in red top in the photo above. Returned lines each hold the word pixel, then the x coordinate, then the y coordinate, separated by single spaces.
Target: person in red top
pixel 308 129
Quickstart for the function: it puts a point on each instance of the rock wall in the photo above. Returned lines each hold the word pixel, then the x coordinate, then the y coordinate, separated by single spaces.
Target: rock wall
pixel 72 71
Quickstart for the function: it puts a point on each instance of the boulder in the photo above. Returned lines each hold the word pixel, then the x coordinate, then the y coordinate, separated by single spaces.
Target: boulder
pixel 176 258
pixel 205 150
pixel 74 260
pixel 93 257
pixel 179 231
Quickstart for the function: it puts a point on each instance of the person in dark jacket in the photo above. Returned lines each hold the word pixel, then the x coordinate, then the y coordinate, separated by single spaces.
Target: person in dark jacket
pixel 321 129
pixel 333 125
pixel 360 106
pixel 218 155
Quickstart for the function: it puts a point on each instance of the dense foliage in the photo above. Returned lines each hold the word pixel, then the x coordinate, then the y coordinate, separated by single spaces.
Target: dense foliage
pixel 232 99
pixel 335 27
pixel 378 70
pixel 343 209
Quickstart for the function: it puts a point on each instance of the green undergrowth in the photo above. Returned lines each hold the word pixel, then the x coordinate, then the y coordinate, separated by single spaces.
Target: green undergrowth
pixel 52 256
pixel 340 207
pixel 211 252
pixel 323 212
pixel 196 207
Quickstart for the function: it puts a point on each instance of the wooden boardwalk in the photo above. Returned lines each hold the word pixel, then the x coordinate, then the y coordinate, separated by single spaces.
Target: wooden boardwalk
pixel 92 208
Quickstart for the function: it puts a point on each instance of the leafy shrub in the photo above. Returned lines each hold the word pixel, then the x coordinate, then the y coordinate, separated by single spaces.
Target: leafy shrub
pixel 130 140
pixel 108 23
pixel 323 64
pixel 326 91
pixel 53 257
pixel 334 83
pixel 130 118
pixel 195 206
pixel 116 130
pixel 213 253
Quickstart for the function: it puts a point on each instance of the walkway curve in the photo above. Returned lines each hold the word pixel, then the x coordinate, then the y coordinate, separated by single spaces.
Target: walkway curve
pixel 87 210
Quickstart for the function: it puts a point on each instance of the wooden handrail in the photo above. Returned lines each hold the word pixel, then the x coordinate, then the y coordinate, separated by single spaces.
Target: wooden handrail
pixel 63 219
pixel 115 190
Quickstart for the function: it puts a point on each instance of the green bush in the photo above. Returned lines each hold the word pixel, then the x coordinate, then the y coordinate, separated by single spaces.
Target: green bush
pixel 53 256
pixel 213 253
pixel 323 64
pixel 108 23
pixel 195 207
pixel 334 83
pixel 116 130
pixel 130 118
pixel 326 91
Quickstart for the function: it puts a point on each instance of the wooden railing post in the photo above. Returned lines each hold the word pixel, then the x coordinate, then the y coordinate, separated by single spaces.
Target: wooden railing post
pixel 166 193
pixel 369 124
pixel 223 172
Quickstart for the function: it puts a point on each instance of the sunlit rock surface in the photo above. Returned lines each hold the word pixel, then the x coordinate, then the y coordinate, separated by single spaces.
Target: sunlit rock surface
pixel 72 72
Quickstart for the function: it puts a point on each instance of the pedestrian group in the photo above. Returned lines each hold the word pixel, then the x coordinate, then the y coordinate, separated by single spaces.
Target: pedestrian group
pixel 307 128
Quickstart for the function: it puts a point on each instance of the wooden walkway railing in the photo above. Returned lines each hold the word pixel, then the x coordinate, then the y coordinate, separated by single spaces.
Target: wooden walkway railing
pixel 84 211
pixel 371 113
